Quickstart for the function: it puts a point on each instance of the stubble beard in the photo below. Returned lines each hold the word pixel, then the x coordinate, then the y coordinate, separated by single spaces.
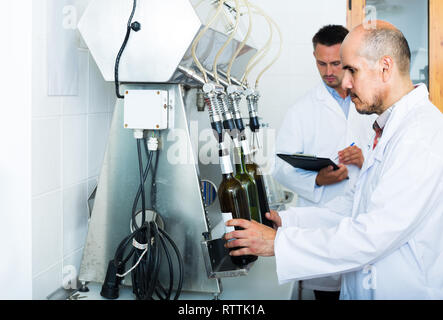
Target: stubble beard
pixel 374 108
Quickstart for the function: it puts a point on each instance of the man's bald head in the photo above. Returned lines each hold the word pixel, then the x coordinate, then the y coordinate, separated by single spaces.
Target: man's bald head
pixel 384 40
pixel 376 63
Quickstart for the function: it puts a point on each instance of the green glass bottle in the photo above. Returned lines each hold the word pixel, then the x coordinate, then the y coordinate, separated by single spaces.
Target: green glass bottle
pixel 248 183
pixel 233 201
pixel 254 170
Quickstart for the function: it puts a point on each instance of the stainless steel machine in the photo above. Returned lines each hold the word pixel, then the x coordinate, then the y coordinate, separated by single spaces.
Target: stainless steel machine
pixel 162 97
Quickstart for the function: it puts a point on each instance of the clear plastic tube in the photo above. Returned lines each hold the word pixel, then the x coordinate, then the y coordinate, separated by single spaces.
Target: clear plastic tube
pixel 241 46
pixel 228 41
pixel 200 35
pixel 259 55
pixel 276 57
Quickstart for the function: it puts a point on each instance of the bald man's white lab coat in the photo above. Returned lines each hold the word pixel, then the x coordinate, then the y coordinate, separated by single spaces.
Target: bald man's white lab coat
pixel 317 125
pixel 391 245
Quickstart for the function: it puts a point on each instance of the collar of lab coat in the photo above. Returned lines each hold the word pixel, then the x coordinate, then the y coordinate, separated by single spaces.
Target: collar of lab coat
pixel 396 119
pixel 329 101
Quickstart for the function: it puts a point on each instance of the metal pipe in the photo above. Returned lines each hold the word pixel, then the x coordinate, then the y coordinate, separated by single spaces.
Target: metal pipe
pixel 191 74
pixel 223 82
pixel 233 80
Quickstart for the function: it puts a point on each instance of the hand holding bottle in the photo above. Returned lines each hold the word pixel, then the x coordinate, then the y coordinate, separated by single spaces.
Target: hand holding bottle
pixel 275 218
pixel 254 238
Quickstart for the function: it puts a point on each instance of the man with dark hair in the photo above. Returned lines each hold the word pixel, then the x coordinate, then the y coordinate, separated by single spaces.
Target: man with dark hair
pixel 387 242
pixel 324 123
pixel 330 35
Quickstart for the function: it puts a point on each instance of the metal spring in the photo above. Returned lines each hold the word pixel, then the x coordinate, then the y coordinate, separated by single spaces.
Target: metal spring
pixel 233 103
pixel 255 103
pixel 223 104
pixel 251 105
pixel 209 105
pixel 213 107
pixel 215 104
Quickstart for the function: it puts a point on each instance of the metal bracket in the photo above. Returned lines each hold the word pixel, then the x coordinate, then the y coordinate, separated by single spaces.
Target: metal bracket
pixel 218 261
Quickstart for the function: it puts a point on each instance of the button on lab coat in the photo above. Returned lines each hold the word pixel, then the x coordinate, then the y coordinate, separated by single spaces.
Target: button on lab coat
pixel 391 245
pixel 317 125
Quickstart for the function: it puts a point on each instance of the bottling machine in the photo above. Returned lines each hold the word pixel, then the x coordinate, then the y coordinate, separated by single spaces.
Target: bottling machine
pixel 161 99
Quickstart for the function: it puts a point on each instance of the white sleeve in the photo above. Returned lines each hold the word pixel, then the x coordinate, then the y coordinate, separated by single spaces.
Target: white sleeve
pixel 309 217
pixel 314 217
pixel 289 141
pixel 408 190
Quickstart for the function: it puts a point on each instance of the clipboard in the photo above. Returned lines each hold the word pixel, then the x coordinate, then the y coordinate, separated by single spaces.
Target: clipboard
pixel 307 162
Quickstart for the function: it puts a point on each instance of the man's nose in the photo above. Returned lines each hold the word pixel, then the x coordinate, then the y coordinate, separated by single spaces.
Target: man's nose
pixel 328 69
pixel 347 81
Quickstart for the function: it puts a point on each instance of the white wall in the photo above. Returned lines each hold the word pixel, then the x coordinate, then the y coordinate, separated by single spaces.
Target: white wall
pixel 68 142
pixel 15 141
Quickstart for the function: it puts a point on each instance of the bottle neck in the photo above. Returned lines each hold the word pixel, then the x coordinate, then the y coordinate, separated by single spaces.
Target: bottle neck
pixel 247 155
pixel 227 176
pixel 225 162
pixel 239 158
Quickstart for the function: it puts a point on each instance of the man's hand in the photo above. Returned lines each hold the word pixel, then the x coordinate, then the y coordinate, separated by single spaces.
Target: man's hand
pixel 327 176
pixel 255 238
pixel 275 218
pixel 351 155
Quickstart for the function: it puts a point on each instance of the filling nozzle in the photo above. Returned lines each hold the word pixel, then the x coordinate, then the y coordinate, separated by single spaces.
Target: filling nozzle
pixel 211 100
pixel 252 98
pixel 228 120
pixel 234 96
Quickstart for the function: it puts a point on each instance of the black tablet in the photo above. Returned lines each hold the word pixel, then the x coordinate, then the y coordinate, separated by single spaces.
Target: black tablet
pixel 306 162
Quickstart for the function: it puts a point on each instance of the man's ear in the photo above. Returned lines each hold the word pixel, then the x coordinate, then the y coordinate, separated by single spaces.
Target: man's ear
pixel 386 68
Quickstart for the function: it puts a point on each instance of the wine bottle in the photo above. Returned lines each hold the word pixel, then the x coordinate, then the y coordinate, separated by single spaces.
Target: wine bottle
pixel 254 170
pixel 233 201
pixel 248 183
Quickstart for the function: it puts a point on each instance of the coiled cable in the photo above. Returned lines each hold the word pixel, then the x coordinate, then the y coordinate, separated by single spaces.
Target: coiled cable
pixel 146 244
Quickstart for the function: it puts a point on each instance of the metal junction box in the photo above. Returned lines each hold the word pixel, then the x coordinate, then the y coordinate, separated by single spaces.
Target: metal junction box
pixel 146 109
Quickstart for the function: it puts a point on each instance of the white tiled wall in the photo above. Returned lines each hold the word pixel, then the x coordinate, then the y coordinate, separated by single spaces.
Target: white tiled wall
pixel 15 146
pixel 69 135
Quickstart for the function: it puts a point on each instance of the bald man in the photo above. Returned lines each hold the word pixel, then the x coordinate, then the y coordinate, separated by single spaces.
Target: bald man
pixel 386 239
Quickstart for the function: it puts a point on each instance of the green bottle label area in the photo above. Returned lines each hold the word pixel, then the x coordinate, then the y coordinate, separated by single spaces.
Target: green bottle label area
pixel 225 164
pixel 226 217
pixel 233 199
pixel 245 147
pixel 248 185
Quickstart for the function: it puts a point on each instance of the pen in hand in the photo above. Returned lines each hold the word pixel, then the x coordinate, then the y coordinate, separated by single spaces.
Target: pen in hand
pixel 337 158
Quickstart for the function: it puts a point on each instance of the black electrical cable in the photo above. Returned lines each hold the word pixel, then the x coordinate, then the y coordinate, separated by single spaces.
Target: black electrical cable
pixel 145 280
pixel 167 295
pixel 149 155
pixel 180 262
pixel 122 49
pixel 142 182
pixel 154 184
pixel 150 243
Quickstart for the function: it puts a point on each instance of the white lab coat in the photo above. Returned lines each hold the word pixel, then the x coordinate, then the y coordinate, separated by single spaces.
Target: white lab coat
pixel 316 125
pixel 391 247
